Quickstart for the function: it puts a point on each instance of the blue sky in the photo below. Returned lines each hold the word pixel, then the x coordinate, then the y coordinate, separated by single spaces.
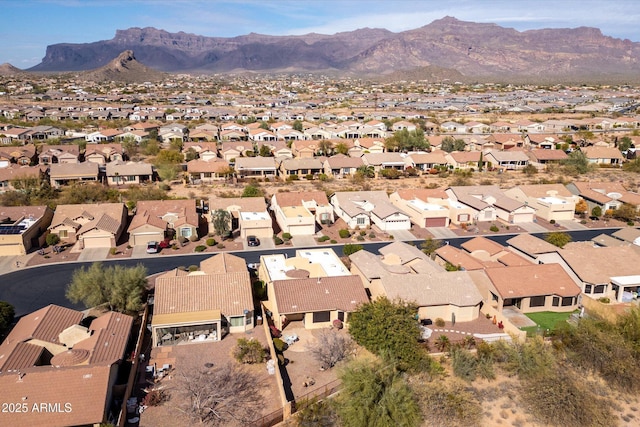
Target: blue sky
pixel 28 26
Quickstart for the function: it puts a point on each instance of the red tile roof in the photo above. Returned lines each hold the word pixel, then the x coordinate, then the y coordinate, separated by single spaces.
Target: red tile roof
pixel 532 280
pixel 343 293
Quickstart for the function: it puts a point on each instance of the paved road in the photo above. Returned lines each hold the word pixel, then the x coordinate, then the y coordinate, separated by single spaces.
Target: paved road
pixel 32 288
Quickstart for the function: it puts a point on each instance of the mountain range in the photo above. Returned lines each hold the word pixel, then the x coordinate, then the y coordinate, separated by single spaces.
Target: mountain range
pixel 462 50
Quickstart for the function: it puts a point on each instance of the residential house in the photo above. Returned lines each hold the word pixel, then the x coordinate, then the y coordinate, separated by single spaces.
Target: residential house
pixel 128 173
pixel 425 162
pixel 305 149
pixel 66 373
pixel 102 136
pixel 542 141
pixel 543 158
pixel 490 203
pixel 204 150
pixel 23 155
pixel 552 202
pixel 10 176
pixel 205 305
pixel 364 209
pixel 437 293
pixel 235 149
pixel 628 235
pixel 425 207
pixel 104 153
pixel 50 154
pixel 534 249
pixel 41 133
pixel 603 155
pixel 297 213
pixel 464 160
pixel 507 160
pixel 370 145
pixel 67 173
pixel 300 167
pixel 341 166
pixel 261 135
pixel 156 220
pixel 249 215
pixel 506 141
pixel 313 287
pixel 532 288
pixel 23 228
pixel 255 167
pixel 606 195
pixel 381 161
pixel 203 171
pixel 97 225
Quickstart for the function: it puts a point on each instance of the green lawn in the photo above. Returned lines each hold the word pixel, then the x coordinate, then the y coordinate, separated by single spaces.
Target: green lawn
pixel 545 320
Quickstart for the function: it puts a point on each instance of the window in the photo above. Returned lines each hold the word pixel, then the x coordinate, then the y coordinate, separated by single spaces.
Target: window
pixel 587 289
pixel 463 218
pixel 360 220
pixel 567 301
pixel 599 289
pixel 236 321
pixel 537 301
pixel 321 316
pixel 185 232
pixel 556 301
pixel 63 234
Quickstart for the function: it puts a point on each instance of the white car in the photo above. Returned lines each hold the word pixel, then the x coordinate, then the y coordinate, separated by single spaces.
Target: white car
pixel 153 247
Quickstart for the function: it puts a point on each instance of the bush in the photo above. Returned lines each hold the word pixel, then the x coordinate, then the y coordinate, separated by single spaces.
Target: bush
pixel 604 300
pixel 344 233
pixel 363 233
pixel 331 348
pixel 493 228
pixel 277 240
pixel 249 351
pixel 52 239
pixel 447 404
pixel 286 236
pixel 293 178
pixel 350 249
pixel 155 397
pixel 439 322
pixel 323 239
pixel 200 248
pixel 309 177
pixel 211 242
pixel 360 238
pixel 193 268
pixel 220 245
pixel 182 240
pixel 113 251
pixel 553 221
pixel 194 238
pixel 279 345
pixel 333 241
pixel 464 364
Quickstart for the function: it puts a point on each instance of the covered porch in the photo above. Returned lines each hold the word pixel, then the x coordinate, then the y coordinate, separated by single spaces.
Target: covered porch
pixel 185 328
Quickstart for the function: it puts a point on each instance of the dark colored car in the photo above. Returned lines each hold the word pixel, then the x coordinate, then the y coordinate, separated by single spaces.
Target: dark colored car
pixel 253 241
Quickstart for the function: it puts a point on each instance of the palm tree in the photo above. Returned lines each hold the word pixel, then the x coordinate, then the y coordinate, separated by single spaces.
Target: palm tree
pixel 443 343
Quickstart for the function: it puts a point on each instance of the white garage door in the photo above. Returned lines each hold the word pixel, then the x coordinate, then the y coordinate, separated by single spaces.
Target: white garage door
pixel 97 242
pixel 144 238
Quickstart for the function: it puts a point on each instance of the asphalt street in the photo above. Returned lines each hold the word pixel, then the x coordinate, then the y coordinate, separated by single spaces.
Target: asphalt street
pixel 32 288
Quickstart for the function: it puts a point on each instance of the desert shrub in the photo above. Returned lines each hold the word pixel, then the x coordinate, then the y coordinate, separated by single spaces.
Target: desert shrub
pixel 52 239
pixel 564 398
pixel 193 267
pixel 309 177
pixel 333 241
pixel 446 404
pixel 200 248
pixel 277 240
pixel 493 228
pixel 604 300
pixel 349 249
pixel 183 240
pixel 360 238
pixel 331 348
pixel 439 322
pixel 553 221
pixel 464 364
pixel 363 233
pixel 314 412
pixel 194 238
pixel 293 178
pixel 344 233
pixel 155 397
pixel 113 251
pixel 372 235
pixel 211 242
pixel 323 238
pixel 286 236
pixel 279 345
pixel 220 245
pixel 249 351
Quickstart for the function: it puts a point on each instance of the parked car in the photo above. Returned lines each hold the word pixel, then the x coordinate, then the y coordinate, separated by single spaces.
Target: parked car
pixel 253 241
pixel 153 247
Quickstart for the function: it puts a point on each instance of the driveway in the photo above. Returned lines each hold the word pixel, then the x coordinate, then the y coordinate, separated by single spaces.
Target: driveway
pixel 571 224
pixel 93 254
pixel 442 232
pixel 265 243
pixel 532 227
pixel 518 319
pixel 304 241
pixel 402 235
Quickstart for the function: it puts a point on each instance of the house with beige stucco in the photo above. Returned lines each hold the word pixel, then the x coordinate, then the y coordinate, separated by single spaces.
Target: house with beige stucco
pixel 95 225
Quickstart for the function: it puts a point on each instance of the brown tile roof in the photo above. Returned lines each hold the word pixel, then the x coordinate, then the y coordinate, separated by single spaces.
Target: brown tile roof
pixel 223 263
pixel 44 324
pixel 198 165
pixel 108 215
pixel 16 172
pixel 340 161
pixel 19 355
pixel 230 293
pixel 531 245
pixel 110 335
pixel 17 212
pixel 404 251
pixel 152 210
pixel 612 261
pixel 343 293
pixel 84 389
pixel 439 288
pixel 532 280
pixel 547 155
pixel 296 198
pixel 72 170
pixel 481 243
pixel 458 257
pixel 245 204
pixel 510 259
pixel 596 152
pixel 545 190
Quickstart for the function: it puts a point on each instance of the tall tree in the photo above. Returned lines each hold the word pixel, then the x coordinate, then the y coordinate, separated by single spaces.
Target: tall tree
pixel 122 288
pixel 221 220
pixel 577 163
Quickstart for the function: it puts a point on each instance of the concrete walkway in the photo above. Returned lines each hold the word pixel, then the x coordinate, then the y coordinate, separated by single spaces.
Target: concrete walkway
pixel 402 235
